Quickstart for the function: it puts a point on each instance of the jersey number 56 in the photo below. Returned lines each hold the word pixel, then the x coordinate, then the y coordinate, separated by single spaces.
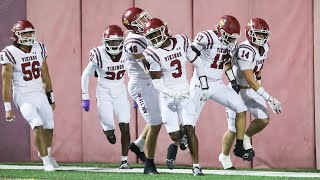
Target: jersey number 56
pixel 31 70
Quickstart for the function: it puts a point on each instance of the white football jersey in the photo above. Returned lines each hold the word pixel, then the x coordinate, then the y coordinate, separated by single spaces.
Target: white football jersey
pixel 214 55
pixel 246 52
pixel 135 44
pixel 110 70
pixel 172 62
pixel 26 67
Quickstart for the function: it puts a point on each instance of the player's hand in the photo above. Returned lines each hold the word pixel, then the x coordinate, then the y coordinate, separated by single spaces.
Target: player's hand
pixel 53 106
pixel 235 86
pixel 274 105
pixel 86 105
pixel 179 95
pixel 9 116
pixel 205 95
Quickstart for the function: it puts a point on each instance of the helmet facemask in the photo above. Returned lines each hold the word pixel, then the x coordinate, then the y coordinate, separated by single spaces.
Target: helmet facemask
pixel 157 36
pixel 141 21
pixel 228 39
pixel 26 40
pixel 113 44
pixel 259 37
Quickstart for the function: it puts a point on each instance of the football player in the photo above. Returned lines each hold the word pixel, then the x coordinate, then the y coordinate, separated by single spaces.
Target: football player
pixel 108 60
pixel 248 64
pixel 140 86
pixel 25 71
pixel 217 48
pixel 167 56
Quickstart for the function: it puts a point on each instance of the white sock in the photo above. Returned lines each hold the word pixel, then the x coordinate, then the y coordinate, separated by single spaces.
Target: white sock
pixel 124 158
pixel 49 151
pixel 140 143
pixel 45 159
pixel 225 156
pixel 196 165
pixel 246 142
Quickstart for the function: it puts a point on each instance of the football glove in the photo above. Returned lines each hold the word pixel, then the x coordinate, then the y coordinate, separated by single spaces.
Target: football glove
pixel 274 105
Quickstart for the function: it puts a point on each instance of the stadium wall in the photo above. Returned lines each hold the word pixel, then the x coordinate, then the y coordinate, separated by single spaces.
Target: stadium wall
pixel 70 28
pixel 15 139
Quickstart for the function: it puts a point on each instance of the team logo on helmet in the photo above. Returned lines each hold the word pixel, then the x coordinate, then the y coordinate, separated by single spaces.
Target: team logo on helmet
pixel 126 22
pixel 222 22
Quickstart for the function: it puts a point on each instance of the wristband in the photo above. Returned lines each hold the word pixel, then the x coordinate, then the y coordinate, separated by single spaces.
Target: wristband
pixel 203 82
pixel 50 97
pixel 7 106
pixel 85 96
pixel 230 75
pixel 263 93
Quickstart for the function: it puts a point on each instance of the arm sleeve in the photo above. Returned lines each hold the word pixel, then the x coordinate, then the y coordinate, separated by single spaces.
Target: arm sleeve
pixel 158 85
pixel 43 50
pixel 152 59
pixel 94 56
pixel 199 66
pixel 245 57
pixel 5 58
pixel 244 64
pixel 134 46
pixel 89 70
pixel 202 40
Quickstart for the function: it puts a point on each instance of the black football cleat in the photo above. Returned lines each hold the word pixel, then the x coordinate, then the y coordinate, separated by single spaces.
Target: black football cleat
pixel 135 149
pixel 246 155
pixel 150 167
pixel 150 170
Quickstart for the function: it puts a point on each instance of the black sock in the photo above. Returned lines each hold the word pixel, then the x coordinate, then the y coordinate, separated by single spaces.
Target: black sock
pixel 239 143
pixel 149 162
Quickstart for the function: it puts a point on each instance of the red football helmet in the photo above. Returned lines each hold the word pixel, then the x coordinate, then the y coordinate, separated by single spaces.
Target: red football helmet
pixel 113 39
pixel 156 32
pixel 134 19
pixel 257 31
pixel 20 29
pixel 228 30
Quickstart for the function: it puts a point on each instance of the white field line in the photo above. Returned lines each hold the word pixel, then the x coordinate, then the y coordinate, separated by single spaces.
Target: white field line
pixel 181 171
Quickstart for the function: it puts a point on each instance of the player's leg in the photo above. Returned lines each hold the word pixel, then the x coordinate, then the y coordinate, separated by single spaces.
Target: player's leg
pixel 121 108
pixel 224 156
pixel 186 111
pixel 105 110
pixel 28 110
pixel 46 114
pixel 171 122
pixel 227 141
pixel 138 145
pixel 151 144
pixel 135 89
pixel 227 97
pixel 148 103
pixel 257 107
pixel 154 119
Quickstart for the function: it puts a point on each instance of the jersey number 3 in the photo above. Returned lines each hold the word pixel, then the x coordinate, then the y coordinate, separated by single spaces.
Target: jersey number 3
pixel 178 71
pixel 31 70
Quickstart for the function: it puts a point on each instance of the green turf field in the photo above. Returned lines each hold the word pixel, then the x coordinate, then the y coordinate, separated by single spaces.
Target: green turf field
pixel 73 174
